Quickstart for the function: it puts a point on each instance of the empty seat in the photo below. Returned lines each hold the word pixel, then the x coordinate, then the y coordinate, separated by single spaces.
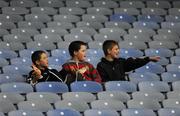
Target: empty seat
pixel 174 11
pixel 102 37
pixel 150 25
pixel 94 18
pixel 170 76
pixel 50 3
pixel 3 3
pixel 60 53
pixel 8 54
pixel 78 3
pixel 132 4
pixel 63 45
pixel 22 3
pixel 6 106
pixel 170 25
pixel 8 78
pixel 177 51
pixel 3 62
pixel 83 30
pixel 124 86
pixel 129 11
pixel 145 76
pixel 123 25
pixel 168 31
pixel 17 69
pixel 95 44
pixel 131 52
pixel 35 105
pixel 71 10
pixel 158 4
pixel 123 18
pixel 133 44
pixel 114 95
pixel 175 86
pixel 57 30
pixel 173 67
pixel 15 10
pixel 162 44
pixel 116 31
pixel 139 112
pixel 26 53
pixel 10 18
pixel 137 37
pixel 3 32
pixel 95 25
pixel 79 96
pixel 163 52
pixel 94 112
pixel 66 18
pixel 169 112
pixel 150 18
pixel 172 18
pixel 66 104
pixel 99 10
pixel 65 112
pixel 25 31
pixel 23 61
pixel 43 10
pixel 27 113
pixel 144 104
pixel 7 25
pixel 167 37
pixel 154 86
pixel 171 103
pixel 153 11
pixel 82 37
pixel 106 4
pixel 86 86
pixel 146 31
pixel 175 60
pixel 95 53
pixel 49 97
pixel 173 95
pixel 63 25
pixel 148 95
pixel 41 45
pixel 37 18
pixel 54 87
pixel 17 38
pixel 48 37
pixel 12 46
pixel 16 87
pixel 107 104
pixel 56 60
pixel 12 97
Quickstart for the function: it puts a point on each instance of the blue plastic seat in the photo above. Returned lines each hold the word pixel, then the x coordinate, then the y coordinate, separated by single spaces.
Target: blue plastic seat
pixel 64 112
pixel 123 18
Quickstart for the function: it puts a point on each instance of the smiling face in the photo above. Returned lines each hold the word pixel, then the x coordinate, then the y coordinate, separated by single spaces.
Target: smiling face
pixel 114 51
pixel 81 53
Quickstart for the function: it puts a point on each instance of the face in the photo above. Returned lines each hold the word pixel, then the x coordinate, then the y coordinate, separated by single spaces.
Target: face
pixel 81 54
pixel 114 52
pixel 43 62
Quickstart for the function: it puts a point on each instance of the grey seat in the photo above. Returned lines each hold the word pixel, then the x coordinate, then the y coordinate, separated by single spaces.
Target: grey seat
pixel 53 30
pixel 79 106
pixel 3 62
pixel 148 95
pixel 3 32
pixel 6 106
pixel 166 37
pixel 158 4
pixel 12 97
pixel 82 37
pixel 117 31
pixel 10 18
pixel 94 112
pixel 175 86
pixel 50 3
pixel 132 4
pixel 55 38
pixel 129 11
pixel 41 45
pixel 106 4
pixel 154 11
pixel 83 30
pixel 147 104
pixel 35 105
pixel 3 3
pixel 137 37
pixel 95 44
pixel 63 25
pixel 7 25
pixel 148 32
pixel 108 104
pixel 78 3
pixel 49 97
pixel 71 11
pixel 114 95
pixel 94 18
pixel 169 112
pixel 171 103
pixel 123 25
pixel 150 25
pixel 133 44
pixel 103 37
pixel 175 60
pixel 177 51
pixel 95 25
pixel 174 11
pixel 25 31
pixel 162 44
pixel 176 4
pixel 172 18
pixel 173 67
pixel 63 45
pixel 35 25
pixel 43 10
pixel 37 17
pixel 173 95
pixel 168 31
pixel 79 96
pixel 27 113
pixel 22 3
pixel 20 60
pixel 138 111
pixel 17 38
pixel 12 46
pixel 15 10
pixel 66 18
pixel 99 10
pixel 170 25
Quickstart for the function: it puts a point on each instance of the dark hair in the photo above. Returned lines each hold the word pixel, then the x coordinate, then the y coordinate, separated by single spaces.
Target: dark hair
pixel 37 56
pixel 108 44
pixel 75 46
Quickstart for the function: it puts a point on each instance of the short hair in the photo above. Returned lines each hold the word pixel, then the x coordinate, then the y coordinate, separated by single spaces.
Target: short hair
pixel 75 46
pixel 37 56
pixel 108 44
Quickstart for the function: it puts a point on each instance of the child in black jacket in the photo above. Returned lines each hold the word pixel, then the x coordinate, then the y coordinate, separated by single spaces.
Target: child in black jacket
pixel 113 68
pixel 40 72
